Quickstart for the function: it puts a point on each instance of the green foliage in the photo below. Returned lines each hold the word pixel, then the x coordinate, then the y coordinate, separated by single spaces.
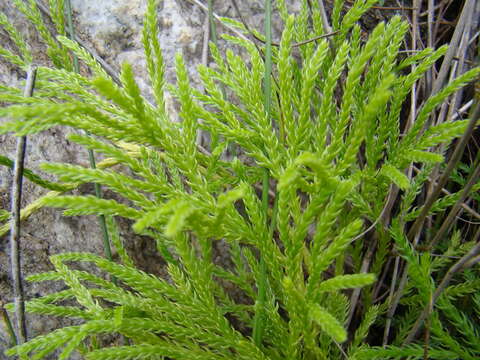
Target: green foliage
pixel 327 145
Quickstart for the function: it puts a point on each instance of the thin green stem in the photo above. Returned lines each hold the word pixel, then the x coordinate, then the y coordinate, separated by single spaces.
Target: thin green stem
pixel 211 21
pixel 101 218
pixel 260 319
pixel 9 326
pixel 268 57
pixel 214 36
pixel 71 30
pixel 91 157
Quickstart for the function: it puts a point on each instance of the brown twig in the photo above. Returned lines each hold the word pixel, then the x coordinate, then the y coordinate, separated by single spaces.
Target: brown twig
pixel 395 298
pixel 394 8
pixel 216 17
pixel 453 212
pixel 363 270
pixel 391 296
pixel 442 8
pixel 300 43
pixel 380 282
pixel 462 110
pixel 457 154
pixel 426 338
pixel 469 259
pixel 429 74
pixel 413 94
pixel 384 215
pixel 454 42
pixel 206 39
pixel 312 39
pixel 446 192
pixel 15 223
pixel 422 14
pixel 460 60
pixel 253 34
pixel 414 232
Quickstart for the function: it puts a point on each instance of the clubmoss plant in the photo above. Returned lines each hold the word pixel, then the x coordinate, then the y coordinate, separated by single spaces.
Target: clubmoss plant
pixel 321 150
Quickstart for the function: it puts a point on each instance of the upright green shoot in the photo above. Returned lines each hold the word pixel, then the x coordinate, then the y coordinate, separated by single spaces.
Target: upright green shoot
pixel 260 316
